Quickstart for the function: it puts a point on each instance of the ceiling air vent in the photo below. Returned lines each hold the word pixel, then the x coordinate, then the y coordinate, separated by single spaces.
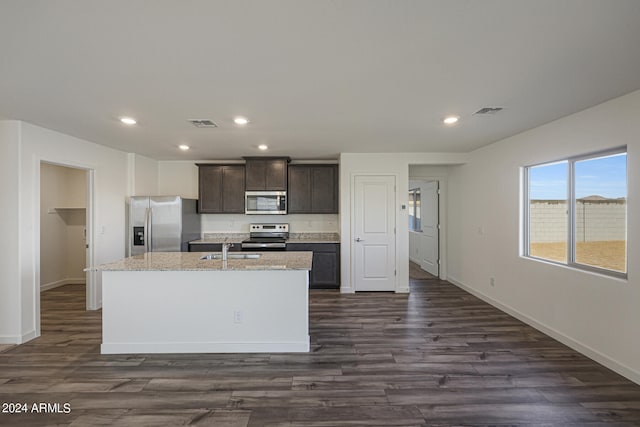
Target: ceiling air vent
pixel 203 123
pixel 488 111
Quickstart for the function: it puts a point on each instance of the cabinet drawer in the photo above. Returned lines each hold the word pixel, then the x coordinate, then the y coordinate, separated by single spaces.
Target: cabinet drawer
pixel 315 247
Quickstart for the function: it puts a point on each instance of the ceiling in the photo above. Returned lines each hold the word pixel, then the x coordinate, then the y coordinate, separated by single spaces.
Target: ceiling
pixel 314 77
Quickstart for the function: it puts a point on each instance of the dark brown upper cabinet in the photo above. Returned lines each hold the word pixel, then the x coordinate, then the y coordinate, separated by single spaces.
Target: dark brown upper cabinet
pixel 313 189
pixel 266 173
pixel 221 188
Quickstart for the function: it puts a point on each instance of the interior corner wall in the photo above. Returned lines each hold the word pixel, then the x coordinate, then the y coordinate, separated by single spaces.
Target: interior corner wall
pixel 397 164
pixel 38 144
pixel 10 325
pixel 595 314
pixel 178 178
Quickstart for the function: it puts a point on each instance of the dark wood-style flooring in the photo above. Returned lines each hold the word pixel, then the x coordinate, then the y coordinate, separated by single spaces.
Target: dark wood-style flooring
pixel 436 357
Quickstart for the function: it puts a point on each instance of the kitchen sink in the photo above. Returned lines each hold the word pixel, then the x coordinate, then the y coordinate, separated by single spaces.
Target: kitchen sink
pixel 232 256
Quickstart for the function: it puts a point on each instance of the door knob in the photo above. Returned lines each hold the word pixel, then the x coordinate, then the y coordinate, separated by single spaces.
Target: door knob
pixel 359 239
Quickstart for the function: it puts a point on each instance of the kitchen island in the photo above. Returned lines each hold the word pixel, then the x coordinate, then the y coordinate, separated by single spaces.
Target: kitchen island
pixel 177 302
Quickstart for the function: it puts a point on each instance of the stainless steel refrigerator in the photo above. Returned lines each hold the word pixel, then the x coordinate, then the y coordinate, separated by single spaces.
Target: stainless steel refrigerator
pixel 161 224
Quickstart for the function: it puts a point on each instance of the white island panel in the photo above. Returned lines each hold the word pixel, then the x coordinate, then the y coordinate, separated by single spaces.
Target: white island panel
pixel 205 311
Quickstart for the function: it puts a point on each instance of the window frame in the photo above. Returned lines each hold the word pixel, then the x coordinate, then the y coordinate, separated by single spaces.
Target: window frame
pixel 571 213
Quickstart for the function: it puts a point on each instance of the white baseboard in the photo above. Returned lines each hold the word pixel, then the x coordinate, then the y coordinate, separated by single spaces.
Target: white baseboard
pixel 591 353
pixel 67 281
pixel 205 347
pixel 9 339
pixel 28 336
pixel 414 260
pixel 18 339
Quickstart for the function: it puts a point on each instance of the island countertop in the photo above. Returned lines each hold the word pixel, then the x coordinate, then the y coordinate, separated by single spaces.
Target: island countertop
pixel 190 261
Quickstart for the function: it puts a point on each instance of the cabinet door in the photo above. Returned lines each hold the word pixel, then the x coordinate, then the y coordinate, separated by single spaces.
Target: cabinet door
pixel 324 189
pixel 255 175
pixel 209 189
pixel 233 189
pixel 276 175
pixel 269 174
pixel 299 194
pixel 220 188
pixel 325 270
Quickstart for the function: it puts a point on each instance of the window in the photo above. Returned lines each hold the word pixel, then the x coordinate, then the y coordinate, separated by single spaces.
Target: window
pixel 576 212
pixel 414 210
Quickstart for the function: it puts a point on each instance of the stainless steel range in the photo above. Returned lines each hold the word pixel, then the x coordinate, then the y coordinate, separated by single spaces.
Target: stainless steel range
pixel 266 237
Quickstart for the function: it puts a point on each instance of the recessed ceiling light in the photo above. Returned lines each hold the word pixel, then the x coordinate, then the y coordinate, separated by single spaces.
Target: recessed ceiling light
pixel 183 147
pixel 241 120
pixel 262 147
pixel 128 120
pixel 449 120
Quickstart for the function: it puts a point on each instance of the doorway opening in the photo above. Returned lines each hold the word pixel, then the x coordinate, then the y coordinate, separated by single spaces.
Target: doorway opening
pixel 65 231
pixel 424 228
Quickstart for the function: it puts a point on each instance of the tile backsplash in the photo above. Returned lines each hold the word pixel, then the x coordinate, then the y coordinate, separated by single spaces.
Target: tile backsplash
pixel 298 223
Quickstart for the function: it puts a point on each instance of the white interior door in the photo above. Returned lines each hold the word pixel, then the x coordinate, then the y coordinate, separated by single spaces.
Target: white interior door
pixel 430 230
pixel 374 239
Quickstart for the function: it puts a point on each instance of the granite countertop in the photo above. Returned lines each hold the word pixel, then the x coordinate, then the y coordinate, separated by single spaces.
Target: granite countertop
pixel 212 238
pixel 314 238
pixel 209 238
pixel 190 261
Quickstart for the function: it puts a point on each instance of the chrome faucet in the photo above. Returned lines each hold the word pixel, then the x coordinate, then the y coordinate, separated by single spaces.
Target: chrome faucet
pixel 225 250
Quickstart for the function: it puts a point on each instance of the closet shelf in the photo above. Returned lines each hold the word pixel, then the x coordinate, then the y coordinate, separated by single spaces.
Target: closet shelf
pixel 63 209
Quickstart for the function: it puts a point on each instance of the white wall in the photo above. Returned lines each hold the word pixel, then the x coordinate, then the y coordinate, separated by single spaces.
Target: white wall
pixel 26 146
pixel 595 314
pixel 143 175
pixel 178 178
pixel 396 164
pixel 427 172
pixel 62 243
pixel 9 215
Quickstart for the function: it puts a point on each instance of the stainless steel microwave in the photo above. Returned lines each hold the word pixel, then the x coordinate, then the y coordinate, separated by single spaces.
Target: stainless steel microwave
pixel 265 202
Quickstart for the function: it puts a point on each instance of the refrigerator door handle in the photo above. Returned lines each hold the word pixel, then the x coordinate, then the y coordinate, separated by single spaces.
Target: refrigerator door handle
pixel 150 229
pixel 147 230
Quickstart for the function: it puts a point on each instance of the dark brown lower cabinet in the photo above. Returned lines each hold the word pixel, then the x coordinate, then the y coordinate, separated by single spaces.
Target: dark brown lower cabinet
pixel 325 271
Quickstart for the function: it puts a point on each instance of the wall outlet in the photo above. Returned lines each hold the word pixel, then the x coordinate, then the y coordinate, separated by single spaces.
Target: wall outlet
pixel 492 281
pixel 237 316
